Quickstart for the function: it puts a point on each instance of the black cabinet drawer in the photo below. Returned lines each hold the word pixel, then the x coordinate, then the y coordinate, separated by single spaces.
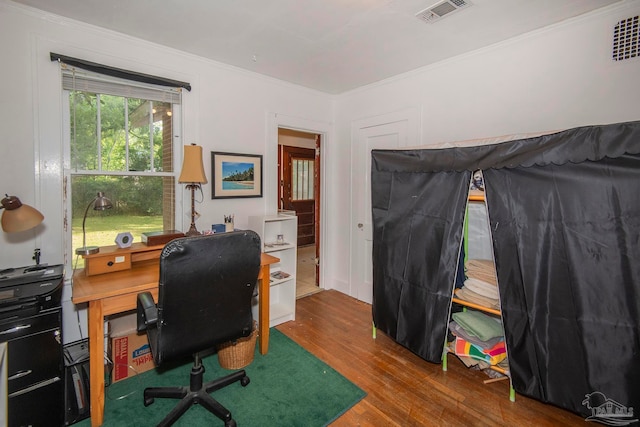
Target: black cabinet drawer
pixel 16 328
pixel 33 359
pixel 34 352
pixel 41 405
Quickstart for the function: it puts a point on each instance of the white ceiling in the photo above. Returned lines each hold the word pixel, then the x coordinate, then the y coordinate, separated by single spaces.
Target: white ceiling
pixel 329 45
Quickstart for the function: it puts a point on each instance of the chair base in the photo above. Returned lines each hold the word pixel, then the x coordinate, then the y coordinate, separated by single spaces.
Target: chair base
pixel 196 393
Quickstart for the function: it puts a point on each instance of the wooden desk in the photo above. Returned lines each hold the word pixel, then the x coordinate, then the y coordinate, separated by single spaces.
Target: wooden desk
pixel 117 292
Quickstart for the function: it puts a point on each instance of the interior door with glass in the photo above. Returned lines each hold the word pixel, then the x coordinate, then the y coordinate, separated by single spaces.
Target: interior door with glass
pixel 298 190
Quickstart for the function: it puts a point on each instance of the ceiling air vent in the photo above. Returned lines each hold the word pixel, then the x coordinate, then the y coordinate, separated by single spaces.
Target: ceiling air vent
pixel 440 9
pixel 626 37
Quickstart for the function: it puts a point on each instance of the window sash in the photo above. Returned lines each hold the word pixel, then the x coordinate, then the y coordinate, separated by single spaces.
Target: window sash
pixel 151 171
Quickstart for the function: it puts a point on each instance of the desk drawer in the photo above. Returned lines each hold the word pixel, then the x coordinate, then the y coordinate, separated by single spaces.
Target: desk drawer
pixel 107 264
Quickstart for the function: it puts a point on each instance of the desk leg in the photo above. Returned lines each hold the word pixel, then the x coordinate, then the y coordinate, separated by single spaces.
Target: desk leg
pixel 96 361
pixel 263 309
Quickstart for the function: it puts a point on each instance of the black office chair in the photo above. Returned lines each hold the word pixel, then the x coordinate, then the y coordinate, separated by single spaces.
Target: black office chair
pixel 205 292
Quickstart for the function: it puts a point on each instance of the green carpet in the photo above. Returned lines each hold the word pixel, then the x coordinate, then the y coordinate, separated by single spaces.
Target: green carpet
pixel 289 387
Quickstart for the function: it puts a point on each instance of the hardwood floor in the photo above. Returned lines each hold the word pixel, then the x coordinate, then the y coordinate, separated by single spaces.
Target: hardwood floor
pixel 403 389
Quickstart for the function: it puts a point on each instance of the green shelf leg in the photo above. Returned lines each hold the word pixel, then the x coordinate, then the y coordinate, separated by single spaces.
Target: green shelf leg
pixel 373 331
pixel 444 361
pixel 512 393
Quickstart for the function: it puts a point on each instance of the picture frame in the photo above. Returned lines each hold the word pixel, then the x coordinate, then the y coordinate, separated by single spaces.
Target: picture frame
pixel 236 175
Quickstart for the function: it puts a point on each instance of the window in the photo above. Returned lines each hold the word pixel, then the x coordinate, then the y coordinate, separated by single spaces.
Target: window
pixel 121 142
pixel 301 179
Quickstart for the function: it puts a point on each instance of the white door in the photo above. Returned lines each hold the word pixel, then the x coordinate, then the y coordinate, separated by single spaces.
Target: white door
pixel 395 132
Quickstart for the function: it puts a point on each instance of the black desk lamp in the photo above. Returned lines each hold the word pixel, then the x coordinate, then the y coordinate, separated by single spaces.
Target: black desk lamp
pixel 99 203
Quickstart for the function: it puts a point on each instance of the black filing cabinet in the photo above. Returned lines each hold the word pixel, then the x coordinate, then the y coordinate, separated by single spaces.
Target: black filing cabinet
pixel 34 369
pixel 30 325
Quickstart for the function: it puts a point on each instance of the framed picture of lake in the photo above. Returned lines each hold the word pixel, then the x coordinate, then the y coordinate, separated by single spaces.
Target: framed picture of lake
pixel 236 175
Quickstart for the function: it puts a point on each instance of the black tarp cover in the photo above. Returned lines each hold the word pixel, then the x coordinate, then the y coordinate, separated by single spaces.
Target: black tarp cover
pixel 564 212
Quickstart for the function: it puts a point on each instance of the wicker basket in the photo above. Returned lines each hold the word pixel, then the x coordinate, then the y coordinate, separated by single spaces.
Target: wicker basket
pixel 238 354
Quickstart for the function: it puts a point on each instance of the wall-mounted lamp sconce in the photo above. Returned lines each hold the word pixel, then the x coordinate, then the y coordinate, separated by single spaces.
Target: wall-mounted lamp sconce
pixel 193 175
pixel 99 203
pixel 17 216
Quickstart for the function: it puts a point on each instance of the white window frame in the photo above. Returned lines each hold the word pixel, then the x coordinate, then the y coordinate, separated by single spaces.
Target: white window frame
pixel 69 172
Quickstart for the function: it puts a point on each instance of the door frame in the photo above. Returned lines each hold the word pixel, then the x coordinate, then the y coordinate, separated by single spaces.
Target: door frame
pixel 324 129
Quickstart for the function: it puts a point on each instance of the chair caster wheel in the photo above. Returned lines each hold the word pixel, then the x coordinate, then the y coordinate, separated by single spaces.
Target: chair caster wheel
pixel 230 423
pixel 244 381
pixel 148 401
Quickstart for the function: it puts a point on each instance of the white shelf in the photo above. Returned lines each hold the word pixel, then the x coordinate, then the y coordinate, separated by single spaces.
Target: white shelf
pixel 274 247
pixel 282 295
pixel 278 281
pixel 280 313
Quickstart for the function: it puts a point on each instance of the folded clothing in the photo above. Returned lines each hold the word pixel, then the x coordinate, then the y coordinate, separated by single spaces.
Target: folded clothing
pixel 483 288
pixel 493 356
pixel 470 362
pixel 479 324
pixel 482 269
pixel 459 331
pixel 467 294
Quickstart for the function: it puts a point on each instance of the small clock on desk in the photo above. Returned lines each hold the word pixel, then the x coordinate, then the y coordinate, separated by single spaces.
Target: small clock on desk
pixel 124 240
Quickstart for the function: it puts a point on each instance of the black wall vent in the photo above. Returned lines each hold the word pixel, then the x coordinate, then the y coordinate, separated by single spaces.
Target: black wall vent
pixel 625 39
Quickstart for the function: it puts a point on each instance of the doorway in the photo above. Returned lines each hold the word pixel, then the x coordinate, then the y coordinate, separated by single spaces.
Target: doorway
pixel 299 191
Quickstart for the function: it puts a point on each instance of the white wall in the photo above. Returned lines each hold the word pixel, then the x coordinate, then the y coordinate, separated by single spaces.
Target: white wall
pixel 556 78
pixel 553 79
pixel 227 110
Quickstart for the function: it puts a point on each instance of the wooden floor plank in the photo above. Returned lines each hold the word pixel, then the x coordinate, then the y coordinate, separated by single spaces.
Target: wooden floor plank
pixel 403 389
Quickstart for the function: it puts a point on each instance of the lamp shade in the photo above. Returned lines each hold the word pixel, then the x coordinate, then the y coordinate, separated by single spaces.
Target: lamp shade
pixel 18 217
pixel 101 202
pixel 192 167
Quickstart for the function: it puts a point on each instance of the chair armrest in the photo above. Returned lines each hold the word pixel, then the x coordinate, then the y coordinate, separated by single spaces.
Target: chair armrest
pixel 147 312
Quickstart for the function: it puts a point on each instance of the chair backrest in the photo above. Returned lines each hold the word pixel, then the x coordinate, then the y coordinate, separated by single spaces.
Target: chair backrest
pixel 205 292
